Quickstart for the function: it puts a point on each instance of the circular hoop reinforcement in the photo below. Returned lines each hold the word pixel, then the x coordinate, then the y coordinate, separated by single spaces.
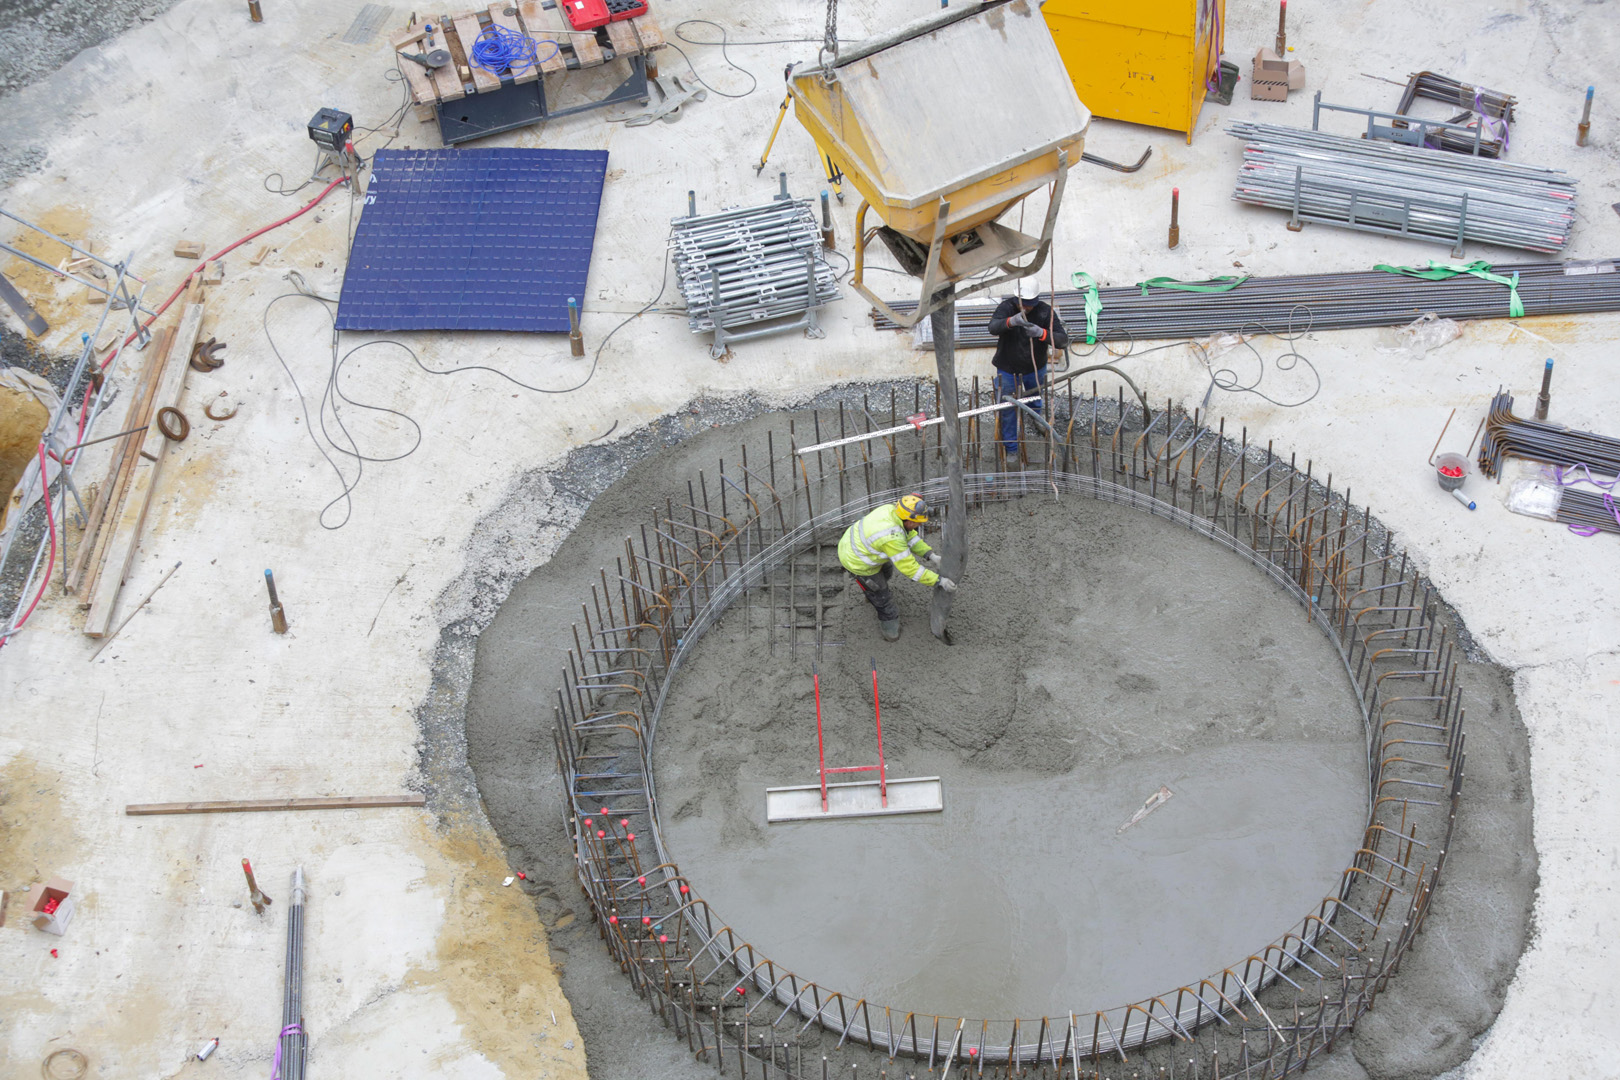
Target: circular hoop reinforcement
pixel 686 567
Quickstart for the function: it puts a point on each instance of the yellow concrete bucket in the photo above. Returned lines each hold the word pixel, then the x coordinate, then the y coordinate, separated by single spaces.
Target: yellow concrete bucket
pixel 943 125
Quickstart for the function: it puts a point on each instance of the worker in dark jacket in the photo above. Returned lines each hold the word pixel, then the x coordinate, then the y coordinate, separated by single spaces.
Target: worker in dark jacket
pixel 1025 328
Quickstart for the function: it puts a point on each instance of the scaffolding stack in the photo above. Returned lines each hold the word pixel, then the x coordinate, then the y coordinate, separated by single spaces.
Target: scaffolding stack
pixel 753 271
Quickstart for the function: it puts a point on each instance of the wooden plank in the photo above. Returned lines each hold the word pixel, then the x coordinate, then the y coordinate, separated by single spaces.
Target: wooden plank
pixel 622 38
pixel 416 76
pixel 467 28
pixel 251 806
pixel 498 15
pixel 132 515
pixel 652 37
pixel 583 42
pixel 445 79
pixel 548 43
pixel 125 454
pixel 630 37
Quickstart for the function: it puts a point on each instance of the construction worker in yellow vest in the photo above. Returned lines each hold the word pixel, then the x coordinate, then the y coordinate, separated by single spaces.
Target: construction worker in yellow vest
pixel 887 538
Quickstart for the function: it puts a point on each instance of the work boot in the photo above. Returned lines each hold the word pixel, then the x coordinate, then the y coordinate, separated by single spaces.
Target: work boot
pixel 891 629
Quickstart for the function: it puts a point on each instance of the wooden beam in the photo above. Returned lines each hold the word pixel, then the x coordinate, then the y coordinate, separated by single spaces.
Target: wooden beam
pixel 111 496
pixel 548 42
pixel 445 79
pixel 131 518
pixel 498 15
pixel 249 806
pixel 467 28
pixel 420 82
pixel 583 42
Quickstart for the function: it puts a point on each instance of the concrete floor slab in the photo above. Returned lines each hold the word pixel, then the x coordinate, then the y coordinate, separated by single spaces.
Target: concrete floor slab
pixel 170 129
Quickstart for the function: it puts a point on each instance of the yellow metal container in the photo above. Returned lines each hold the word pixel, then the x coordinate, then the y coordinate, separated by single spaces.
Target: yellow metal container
pixel 942 125
pixel 1144 61
pixel 971 107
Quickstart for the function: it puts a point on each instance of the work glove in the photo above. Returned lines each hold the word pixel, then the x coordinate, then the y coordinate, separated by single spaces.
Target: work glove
pixel 933 559
pixel 1017 319
pixel 947 584
pixel 1031 330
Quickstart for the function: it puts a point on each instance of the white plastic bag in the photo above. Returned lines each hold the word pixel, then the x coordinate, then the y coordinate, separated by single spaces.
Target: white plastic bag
pixel 1425 334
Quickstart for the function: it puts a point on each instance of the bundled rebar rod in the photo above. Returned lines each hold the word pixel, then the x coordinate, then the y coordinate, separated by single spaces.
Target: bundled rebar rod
pixel 1588 511
pixel 755 264
pixel 1343 301
pixel 1412 191
pixel 1508 436
pixel 293 1044
pixel 1489 110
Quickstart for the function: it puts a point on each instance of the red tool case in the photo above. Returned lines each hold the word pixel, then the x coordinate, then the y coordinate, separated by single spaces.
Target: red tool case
pixel 589 14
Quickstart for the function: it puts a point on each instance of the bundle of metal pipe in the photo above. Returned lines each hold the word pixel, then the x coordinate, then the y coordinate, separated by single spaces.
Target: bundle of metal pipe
pixel 1384 187
pixel 293 1043
pixel 1537 440
pixel 1588 510
pixel 761 262
pixel 1490 109
pixel 1345 301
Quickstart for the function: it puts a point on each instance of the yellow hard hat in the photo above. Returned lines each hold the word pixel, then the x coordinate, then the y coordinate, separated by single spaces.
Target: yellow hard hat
pixel 913 509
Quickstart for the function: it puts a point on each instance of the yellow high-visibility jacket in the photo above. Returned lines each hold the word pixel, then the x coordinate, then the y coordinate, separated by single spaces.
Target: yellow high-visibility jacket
pixel 880 537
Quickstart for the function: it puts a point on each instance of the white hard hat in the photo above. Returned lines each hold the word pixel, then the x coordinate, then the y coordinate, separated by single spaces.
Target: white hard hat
pixel 1027 288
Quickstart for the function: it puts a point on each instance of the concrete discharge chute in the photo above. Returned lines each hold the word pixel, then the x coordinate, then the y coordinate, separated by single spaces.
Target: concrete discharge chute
pixel 943 125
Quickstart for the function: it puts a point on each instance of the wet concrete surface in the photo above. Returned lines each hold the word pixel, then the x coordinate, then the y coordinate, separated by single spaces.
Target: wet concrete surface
pixel 1450 988
pixel 1096 660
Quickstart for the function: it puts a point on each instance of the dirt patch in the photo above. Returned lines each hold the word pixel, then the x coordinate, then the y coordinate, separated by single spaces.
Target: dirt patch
pixel 22 422
pixel 494 964
pixel 34 843
pixel 58 300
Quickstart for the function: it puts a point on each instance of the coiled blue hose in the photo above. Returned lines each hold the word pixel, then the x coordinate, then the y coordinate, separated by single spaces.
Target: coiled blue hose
pixel 499 50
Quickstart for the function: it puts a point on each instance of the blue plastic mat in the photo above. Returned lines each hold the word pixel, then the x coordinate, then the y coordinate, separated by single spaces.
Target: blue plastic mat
pixel 494 239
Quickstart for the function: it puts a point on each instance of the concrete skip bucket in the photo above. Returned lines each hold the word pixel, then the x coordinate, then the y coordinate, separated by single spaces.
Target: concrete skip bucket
pixel 943 125
pixel 861 798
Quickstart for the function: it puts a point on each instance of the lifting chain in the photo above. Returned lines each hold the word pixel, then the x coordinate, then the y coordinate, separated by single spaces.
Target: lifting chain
pixel 829 43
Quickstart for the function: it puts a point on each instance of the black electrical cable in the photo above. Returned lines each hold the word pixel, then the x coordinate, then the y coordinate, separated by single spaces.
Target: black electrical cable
pixel 333 393
pixel 725 39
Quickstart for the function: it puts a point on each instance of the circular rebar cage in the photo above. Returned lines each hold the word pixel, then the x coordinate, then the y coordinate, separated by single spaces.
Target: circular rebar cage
pixel 1268 1012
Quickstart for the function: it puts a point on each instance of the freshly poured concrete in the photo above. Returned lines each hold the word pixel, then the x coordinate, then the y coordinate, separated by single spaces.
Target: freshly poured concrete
pixel 1096 660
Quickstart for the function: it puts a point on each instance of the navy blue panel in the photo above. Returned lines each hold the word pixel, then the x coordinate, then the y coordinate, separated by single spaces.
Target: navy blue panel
pixel 483 239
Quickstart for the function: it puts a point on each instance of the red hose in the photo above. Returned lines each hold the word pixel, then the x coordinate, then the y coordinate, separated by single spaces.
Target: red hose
pixel 84 405
pixel 50 566
pixel 222 252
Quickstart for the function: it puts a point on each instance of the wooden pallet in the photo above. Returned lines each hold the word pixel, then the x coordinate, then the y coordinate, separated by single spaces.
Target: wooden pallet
pixel 559 47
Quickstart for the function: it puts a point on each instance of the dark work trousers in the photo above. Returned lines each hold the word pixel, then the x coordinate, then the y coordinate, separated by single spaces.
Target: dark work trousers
pixel 878 593
pixel 1016 385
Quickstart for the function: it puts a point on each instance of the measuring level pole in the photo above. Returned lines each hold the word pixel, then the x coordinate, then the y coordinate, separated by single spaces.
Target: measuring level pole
pixel 877 713
pixel 821 749
pixel 954 558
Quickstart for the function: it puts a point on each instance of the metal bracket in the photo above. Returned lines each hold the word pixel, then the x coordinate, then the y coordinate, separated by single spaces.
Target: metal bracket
pixel 809 321
pixel 933 279
pixel 673 96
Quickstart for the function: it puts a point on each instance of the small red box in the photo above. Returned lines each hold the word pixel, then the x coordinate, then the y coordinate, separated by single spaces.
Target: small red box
pixel 53 908
pixel 586 14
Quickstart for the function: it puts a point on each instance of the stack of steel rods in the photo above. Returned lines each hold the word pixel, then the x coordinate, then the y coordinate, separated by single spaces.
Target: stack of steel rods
pixel 1490 108
pixel 1384 187
pixel 1537 440
pixel 761 258
pixel 1588 510
pixel 1345 301
pixel 293 1042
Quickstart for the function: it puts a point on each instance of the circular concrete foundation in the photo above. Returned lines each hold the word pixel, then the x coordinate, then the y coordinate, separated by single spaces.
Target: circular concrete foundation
pixel 1030 824
pixel 1100 654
